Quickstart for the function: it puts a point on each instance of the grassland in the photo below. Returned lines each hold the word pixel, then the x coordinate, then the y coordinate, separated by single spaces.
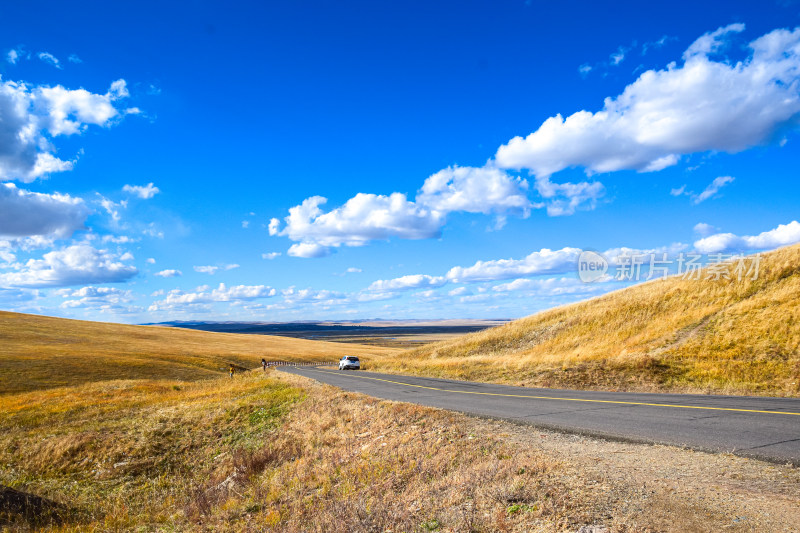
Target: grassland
pixel 275 452
pixel 38 352
pixel 722 336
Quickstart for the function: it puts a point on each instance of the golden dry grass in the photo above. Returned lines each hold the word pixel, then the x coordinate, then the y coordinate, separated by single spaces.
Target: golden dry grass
pixel 38 352
pixel 275 452
pixel 723 336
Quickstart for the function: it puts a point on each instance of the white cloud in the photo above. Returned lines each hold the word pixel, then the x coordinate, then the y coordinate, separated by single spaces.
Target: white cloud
pixel 413 281
pixel 292 295
pixel 679 191
pixel 699 106
pixel 118 239
pixel 112 208
pixel 459 291
pixel 546 287
pixel 151 261
pixel 75 265
pixel 702 105
pixel 376 296
pixel 50 59
pixel 24 213
pixel 74 59
pixel 270 255
pixel 646 47
pixel 565 198
pixel 368 217
pixel 474 190
pixel 245 224
pixel 213 269
pixel 222 293
pixel 711 42
pixel 619 56
pixel 13 56
pixel 783 235
pixel 274 226
pixel 363 218
pixel 105 298
pixel 308 250
pixel 144 192
pixel 32 116
pixel 544 261
pixel 353 270
pixel 712 189
pixel 584 69
pixel 169 273
pixel 704 230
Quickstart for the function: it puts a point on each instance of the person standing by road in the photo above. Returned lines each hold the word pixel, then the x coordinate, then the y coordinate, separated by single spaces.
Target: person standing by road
pixel 231 370
pixel 264 364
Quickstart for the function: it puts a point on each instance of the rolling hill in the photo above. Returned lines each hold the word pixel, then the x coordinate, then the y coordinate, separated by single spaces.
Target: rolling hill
pixel 38 352
pixel 706 335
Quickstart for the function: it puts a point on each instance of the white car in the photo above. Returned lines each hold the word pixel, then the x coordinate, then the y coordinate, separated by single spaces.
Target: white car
pixel 349 362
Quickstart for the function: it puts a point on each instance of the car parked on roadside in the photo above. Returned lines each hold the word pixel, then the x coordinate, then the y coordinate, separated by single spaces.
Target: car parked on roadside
pixel 349 362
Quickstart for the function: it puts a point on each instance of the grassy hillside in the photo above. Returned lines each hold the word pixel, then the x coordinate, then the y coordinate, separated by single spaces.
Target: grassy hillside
pixel 39 352
pixel 723 336
pixel 275 452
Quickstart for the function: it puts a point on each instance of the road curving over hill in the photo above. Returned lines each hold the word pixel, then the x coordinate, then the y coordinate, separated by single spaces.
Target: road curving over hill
pixel 759 427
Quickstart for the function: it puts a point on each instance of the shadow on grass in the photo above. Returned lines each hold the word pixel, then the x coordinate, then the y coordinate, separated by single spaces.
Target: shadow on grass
pixel 19 508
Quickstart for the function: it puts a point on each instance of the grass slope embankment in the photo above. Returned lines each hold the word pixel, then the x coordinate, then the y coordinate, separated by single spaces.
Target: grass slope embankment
pixel 38 352
pixel 275 452
pixel 723 336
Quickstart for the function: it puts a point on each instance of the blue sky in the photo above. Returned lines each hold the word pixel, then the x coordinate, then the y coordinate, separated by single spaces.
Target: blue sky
pixel 321 160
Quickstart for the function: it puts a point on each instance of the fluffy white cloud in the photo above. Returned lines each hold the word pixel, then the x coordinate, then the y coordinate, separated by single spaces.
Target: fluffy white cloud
pixel 699 106
pixel 413 281
pixel 78 264
pixel 368 217
pixel 712 189
pixel 32 116
pixel 363 218
pixel 270 255
pixel 24 213
pixel 144 192
pixel 703 104
pixel 169 273
pixel 308 250
pixel 544 261
pixel 95 297
pixel 474 190
pixel 222 293
pixel 783 235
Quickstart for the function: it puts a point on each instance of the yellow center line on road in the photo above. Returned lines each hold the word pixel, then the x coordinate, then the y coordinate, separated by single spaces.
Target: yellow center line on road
pixel 679 406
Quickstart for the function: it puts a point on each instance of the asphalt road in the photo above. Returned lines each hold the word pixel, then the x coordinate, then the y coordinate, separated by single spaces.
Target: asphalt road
pixel 760 427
